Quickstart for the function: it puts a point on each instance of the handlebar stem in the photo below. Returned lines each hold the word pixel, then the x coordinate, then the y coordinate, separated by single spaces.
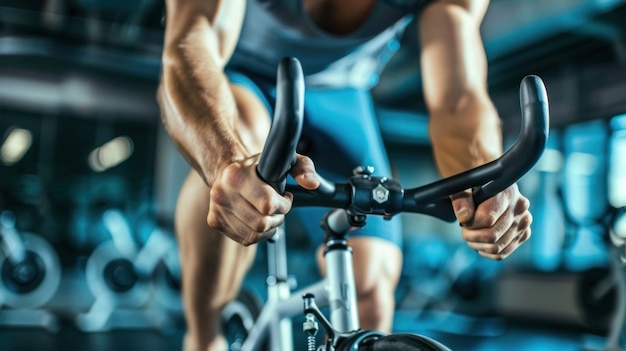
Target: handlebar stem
pixel 375 195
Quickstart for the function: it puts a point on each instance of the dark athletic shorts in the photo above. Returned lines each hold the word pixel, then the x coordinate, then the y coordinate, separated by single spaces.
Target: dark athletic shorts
pixel 340 132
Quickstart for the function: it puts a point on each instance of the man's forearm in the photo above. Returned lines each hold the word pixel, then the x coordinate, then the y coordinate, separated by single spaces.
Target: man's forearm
pixel 198 109
pixel 197 105
pixel 467 139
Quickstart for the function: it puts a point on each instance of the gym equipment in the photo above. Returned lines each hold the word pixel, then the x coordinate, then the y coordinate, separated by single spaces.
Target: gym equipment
pixel 30 273
pixel 542 187
pixel 444 279
pixel 362 195
pixel 616 340
pixel 586 203
pixel 120 277
pixel 168 277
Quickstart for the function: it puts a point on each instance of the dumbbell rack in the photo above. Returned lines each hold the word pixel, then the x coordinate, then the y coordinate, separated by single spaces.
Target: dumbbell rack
pixel 616 338
pixel 120 277
pixel 30 273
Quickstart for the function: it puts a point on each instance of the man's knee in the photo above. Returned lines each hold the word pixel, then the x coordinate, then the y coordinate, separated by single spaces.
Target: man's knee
pixel 377 266
pixel 376 299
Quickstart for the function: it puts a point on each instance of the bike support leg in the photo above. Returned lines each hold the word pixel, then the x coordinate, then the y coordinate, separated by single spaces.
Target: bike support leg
pixel 273 312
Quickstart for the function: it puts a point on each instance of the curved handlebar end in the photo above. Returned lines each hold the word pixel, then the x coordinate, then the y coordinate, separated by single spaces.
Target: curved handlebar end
pixel 531 142
pixel 532 90
pixel 279 152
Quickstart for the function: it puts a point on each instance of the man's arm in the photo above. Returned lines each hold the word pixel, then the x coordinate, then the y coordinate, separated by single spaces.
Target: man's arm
pixel 220 128
pixel 198 108
pixel 464 125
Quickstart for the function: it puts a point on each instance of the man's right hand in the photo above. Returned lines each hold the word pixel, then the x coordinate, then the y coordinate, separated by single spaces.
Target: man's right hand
pixel 248 210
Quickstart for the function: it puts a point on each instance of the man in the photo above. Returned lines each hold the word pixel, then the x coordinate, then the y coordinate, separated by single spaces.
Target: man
pixel 216 96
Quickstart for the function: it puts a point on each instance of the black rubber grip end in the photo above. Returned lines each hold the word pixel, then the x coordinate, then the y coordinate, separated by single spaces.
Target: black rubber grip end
pixel 279 152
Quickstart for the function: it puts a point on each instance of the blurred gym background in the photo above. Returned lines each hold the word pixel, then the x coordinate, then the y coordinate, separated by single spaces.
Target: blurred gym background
pixel 88 183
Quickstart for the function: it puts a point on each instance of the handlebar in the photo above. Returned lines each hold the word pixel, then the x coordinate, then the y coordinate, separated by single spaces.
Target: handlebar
pixel 364 194
pixel 279 152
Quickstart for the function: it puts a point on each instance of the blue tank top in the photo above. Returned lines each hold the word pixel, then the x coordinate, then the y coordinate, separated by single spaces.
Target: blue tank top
pixel 273 29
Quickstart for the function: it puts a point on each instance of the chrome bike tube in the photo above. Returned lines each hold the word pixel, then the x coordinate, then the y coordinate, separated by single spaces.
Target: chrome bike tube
pixel 344 313
pixel 278 289
pixel 274 311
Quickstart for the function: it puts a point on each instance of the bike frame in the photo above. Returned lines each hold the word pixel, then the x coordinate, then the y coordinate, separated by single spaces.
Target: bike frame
pixel 336 290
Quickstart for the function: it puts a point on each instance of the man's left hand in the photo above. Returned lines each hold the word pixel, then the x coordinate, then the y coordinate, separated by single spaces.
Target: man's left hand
pixel 498 226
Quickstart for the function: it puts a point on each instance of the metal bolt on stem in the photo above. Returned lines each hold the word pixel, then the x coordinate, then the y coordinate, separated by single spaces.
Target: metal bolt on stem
pixel 363 170
pixel 380 194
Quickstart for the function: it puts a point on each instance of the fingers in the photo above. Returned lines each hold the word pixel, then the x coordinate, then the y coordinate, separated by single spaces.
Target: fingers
pixel 248 210
pixel 242 231
pixel 239 208
pixel 498 249
pixel 243 207
pixel 508 250
pixel 491 234
pixel 490 211
pixel 463 205
pixel 241 183
pixel 304 173
pixel 500 225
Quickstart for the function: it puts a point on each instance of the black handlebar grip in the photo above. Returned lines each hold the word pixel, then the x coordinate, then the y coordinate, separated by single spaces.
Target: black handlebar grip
pixel 279 152
pixel 529 146
pixel 491 178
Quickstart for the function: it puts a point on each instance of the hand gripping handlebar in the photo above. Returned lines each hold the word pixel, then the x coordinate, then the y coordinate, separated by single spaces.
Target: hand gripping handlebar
pixel 364 194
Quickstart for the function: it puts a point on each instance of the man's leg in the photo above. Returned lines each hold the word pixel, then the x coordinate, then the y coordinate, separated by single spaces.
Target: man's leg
pixel 213 266
pixel 377 267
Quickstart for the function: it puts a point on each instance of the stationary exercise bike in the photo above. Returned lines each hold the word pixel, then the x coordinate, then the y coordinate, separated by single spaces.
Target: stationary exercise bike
pixel 269 326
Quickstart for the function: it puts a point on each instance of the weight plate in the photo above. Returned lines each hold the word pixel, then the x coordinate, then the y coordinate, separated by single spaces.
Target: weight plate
pixel 106 256
pixel 42 288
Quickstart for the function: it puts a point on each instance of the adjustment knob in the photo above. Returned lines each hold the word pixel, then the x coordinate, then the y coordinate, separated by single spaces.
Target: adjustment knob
pixel 361 170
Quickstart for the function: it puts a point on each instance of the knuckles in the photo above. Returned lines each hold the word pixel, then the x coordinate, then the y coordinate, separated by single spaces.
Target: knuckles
pixel 213 221
pixel 260 224
pixel 525 222
pixel 489 237
pixel 270 205
pixel 486 218
pixel 495 249
pixel 522 206
pixel 246 243
pixel 219 195
pixel 525 235
pixel 234 176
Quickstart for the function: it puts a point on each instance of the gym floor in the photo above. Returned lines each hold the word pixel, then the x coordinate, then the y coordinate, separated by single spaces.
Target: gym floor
pixel 514 337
